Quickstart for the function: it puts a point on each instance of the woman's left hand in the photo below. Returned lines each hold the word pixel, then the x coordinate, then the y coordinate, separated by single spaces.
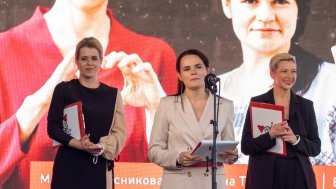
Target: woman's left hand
pixel 142 87
pixel 230 156
pixel 186 159
pixel 289 136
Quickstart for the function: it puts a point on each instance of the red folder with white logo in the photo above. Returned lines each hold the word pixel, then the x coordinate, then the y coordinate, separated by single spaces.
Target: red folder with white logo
pixel 263 116
pixel 73 121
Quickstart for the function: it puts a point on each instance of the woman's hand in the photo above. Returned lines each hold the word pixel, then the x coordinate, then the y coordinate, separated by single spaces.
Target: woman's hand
pixel 88 146
pixel 186 159
pixel 289 136
pixel 230 156
pixel 35 106
pixel 284 131
pixel 85 144
pixel 142 87
pixel 141 84
pixel 278 129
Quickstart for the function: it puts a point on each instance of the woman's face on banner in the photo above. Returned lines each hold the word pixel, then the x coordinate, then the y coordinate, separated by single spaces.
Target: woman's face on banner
pixel 263 24
pixel 88 5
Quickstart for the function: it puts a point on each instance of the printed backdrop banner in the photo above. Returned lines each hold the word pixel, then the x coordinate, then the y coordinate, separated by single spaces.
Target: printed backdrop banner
pixel 148 176
pixel 177 25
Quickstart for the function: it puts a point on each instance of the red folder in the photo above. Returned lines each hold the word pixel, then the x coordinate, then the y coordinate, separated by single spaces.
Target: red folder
pixel 73 121
pixel 263 116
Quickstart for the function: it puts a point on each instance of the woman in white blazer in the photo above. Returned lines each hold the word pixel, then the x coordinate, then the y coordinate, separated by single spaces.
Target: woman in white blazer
pixel 183 120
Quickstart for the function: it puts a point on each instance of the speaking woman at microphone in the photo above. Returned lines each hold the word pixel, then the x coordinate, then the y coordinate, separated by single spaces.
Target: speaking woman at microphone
pixel 183 120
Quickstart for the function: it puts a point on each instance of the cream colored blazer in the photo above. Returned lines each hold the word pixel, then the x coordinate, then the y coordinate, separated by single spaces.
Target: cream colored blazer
pixel 176 129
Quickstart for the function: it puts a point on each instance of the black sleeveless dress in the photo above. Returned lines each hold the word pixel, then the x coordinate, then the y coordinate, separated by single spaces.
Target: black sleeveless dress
pixel 75 168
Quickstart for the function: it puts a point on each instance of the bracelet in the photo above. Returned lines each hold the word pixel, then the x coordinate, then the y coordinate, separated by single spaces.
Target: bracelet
pixel 95 155
pixel 102 148
pixel 178 158
pixel 178 165
pixel 297 140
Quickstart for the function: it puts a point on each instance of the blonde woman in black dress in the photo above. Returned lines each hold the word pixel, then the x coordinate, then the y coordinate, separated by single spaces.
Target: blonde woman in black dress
pixel 87 163
pixel 299 131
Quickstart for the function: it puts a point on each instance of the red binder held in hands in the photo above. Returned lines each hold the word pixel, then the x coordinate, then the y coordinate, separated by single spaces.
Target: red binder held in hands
pixel 263 116
pixel 73 121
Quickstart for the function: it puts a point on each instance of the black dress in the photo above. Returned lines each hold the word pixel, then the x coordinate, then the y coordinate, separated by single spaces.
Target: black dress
pixel 270 171
pixel 75 168
pixel 288 171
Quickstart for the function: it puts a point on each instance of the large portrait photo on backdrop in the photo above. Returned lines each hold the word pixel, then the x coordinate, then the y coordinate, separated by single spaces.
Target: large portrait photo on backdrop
pixel 141 40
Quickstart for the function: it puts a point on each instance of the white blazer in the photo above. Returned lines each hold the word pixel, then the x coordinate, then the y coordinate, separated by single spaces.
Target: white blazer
pixel 176 129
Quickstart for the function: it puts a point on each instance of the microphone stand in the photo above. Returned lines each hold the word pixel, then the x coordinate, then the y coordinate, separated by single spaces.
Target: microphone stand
pixel 213 90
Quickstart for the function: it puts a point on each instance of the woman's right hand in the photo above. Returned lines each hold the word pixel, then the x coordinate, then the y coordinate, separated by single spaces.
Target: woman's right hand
pixel 186 159
pixel 35 106
pixel 278 129
pixel 85 144
pixel 88 146
pixel 230 156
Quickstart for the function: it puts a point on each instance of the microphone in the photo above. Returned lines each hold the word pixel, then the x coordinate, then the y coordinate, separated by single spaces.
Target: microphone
pixel 211 80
